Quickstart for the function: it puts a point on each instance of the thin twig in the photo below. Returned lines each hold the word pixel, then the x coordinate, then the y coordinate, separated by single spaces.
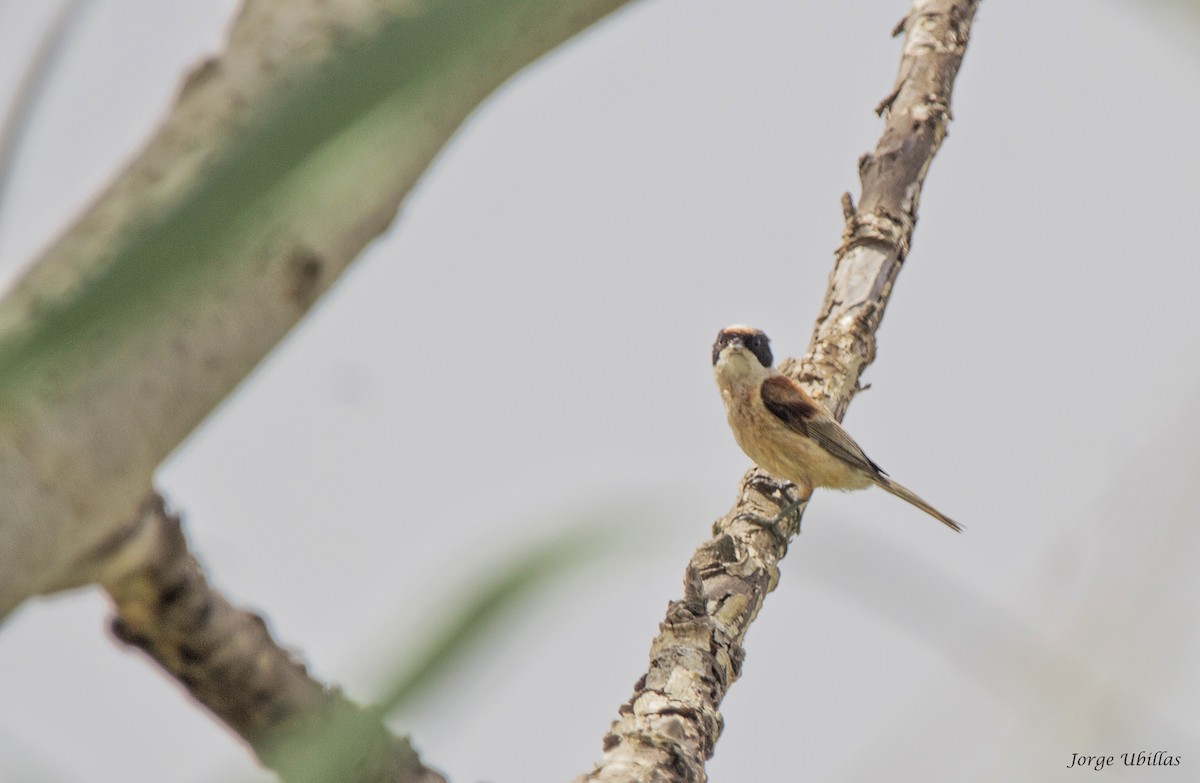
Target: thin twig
pixel 226 659
pixel 667 730
pixel 31 87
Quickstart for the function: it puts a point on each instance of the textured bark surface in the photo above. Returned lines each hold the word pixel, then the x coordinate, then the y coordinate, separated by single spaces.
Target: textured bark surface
pixel 667 730
pixel 878 233
pixel 226 659
pixel 281 160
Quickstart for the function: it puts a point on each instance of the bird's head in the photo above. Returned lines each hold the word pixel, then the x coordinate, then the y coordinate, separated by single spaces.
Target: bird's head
pixel 741 350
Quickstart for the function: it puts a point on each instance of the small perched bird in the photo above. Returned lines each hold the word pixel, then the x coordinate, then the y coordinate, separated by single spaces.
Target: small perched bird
pixel 788 433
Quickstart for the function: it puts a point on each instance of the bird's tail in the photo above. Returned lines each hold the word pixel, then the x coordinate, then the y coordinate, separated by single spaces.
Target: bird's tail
pixel 904 493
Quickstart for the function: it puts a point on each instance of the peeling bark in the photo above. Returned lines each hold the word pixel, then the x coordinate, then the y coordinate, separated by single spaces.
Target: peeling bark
pixel 228 662
pixel 668 729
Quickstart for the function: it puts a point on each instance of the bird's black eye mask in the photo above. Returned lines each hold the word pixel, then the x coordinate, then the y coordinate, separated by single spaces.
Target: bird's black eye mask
pixel 756 342
pixel 760 346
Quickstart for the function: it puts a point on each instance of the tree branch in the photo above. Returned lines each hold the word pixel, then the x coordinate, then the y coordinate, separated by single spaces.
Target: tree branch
pixel 226 659
pixel 280 161
pixel 667 730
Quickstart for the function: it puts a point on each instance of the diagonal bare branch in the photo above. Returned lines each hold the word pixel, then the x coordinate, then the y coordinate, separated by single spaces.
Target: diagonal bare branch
pixel 668 729
pixel 227 660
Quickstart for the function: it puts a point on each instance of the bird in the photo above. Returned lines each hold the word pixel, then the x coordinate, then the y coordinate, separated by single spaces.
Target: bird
pixel 785 431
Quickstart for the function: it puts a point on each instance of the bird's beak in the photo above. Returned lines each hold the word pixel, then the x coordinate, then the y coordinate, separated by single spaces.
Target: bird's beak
pixel 735 343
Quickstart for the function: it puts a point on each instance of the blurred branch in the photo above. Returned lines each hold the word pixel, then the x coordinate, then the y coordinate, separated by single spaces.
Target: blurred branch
pixel 668 729
pixel 226 659
pixel 31 86
pixel 281 160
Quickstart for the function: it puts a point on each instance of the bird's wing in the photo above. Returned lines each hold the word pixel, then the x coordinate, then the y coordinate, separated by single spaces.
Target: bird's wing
pixel 792 405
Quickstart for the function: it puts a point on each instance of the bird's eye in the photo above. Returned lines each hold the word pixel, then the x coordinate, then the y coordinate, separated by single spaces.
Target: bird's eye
pixel 761 348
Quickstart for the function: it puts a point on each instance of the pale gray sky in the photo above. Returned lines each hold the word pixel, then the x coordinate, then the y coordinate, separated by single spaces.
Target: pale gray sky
pixel 677 169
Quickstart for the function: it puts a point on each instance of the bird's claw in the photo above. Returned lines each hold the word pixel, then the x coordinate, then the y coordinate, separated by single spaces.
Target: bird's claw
pixel 771 487
pixel 790 500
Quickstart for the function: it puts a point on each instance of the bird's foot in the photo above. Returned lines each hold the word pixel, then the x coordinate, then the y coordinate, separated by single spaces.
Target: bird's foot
pixel 772 487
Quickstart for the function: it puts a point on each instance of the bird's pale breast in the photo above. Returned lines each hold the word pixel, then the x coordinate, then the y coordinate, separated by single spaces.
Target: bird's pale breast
pixel 780 450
